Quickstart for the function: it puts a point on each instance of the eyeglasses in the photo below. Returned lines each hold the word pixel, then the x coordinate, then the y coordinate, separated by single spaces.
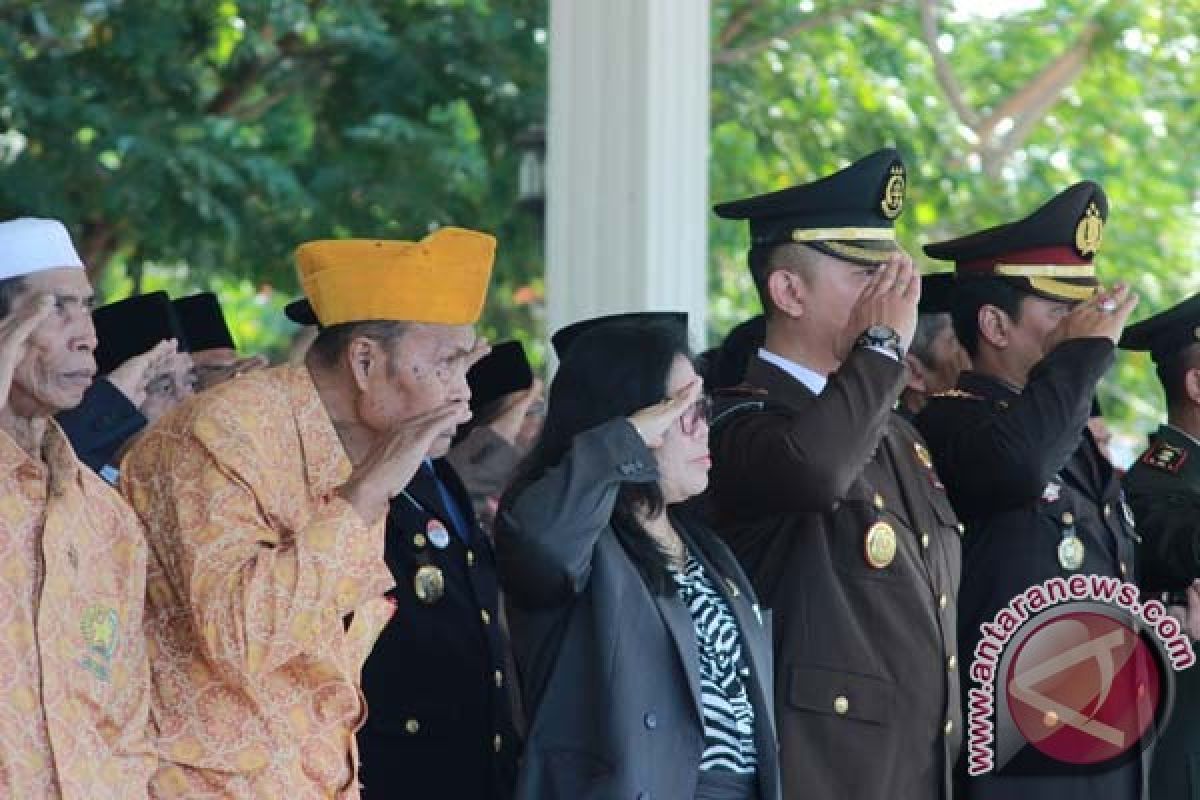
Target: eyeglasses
pixel 699 411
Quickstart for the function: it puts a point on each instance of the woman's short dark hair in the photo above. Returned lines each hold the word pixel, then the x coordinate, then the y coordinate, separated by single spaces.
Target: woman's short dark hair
pixel 973 294
pixel 609 372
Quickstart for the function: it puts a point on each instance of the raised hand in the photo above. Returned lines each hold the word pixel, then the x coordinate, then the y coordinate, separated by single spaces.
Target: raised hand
pixel 133 376
pixel 15 330
pixel 654 421
pixel 889 299
pixel 392 463
pixel 1102 316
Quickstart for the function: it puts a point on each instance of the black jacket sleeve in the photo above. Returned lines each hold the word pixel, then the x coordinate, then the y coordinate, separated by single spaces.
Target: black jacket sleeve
pixel 101 424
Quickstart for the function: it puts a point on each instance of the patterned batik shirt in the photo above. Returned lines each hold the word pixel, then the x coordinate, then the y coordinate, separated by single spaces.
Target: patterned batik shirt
pixel 74 685
pixel 265 593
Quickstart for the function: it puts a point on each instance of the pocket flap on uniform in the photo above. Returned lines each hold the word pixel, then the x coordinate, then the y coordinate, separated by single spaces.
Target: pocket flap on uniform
pixel 841 694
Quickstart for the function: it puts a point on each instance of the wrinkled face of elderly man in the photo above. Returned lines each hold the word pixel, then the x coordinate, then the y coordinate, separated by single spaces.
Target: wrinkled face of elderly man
pixel 58 364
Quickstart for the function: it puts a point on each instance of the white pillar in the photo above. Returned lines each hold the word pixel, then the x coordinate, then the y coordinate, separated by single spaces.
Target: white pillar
pixel 627 159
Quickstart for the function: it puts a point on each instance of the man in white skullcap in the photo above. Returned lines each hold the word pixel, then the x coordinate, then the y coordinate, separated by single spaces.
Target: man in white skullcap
pixel 74 688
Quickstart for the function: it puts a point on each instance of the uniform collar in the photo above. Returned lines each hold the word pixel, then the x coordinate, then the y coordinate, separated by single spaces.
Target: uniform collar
pixel 1178 436
pixel 978 383
pixel 813 381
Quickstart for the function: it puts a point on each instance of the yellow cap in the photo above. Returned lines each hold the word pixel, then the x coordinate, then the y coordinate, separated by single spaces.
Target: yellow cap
pixel 441 279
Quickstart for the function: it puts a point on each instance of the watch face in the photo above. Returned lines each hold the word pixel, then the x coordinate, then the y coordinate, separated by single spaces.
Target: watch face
pixel 882 333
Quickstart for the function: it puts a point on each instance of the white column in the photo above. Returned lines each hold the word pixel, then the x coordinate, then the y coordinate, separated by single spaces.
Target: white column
pixel 627 159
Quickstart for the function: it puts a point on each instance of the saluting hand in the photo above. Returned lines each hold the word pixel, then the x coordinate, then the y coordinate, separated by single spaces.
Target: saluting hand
pixel 508 422
pixel 391 464
pixel 15 331
pixel 654 421
pixel 890 298
pixel 1101 316
pixel 133 376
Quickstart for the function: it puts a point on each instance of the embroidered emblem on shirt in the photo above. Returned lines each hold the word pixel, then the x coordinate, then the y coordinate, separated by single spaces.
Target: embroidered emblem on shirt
pixel 1166 457
pixel 101 629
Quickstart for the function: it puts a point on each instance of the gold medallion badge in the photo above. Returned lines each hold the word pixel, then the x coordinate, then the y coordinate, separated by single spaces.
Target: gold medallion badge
pixel 880 545
pixel 1090 231
pixel 429 584
pixel 892 202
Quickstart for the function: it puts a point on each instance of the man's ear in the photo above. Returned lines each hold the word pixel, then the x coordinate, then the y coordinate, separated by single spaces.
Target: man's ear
pixel 362 356
pixel 995 326
pixel 788 292
pixel 916 380
pixel 1191 385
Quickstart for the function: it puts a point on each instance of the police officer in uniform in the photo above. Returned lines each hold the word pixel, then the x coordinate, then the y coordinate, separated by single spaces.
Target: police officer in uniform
pixel 1163 487
pixel 1011 444
pixel 830 500
pixel 440 717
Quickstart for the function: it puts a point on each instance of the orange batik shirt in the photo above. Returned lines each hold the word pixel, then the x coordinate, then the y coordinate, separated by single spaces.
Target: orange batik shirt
pixel 256 566
pixel 74 687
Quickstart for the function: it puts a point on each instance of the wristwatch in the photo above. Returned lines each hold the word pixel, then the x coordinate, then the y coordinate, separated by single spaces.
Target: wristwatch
pixel 881 336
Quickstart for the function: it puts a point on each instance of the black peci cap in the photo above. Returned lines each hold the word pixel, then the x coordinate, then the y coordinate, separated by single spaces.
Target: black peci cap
pixel 203 322
pixel 501 372
pixel 130 327
pixel 565 336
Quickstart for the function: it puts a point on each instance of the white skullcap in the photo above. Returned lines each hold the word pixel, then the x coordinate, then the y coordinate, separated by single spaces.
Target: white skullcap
pixel 29 245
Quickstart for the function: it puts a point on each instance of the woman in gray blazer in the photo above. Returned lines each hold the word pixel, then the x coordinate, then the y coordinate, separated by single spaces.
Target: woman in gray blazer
pixel 644 658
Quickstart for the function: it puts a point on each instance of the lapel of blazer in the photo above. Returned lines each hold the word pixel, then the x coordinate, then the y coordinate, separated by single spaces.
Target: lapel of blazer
pixel 679 624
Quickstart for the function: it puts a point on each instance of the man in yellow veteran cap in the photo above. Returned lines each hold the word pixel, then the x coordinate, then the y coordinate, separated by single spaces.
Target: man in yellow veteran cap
pixel 265 501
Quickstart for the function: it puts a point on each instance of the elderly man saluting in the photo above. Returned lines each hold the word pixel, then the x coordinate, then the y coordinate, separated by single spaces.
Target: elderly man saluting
pixel 265 501
pixel 74 689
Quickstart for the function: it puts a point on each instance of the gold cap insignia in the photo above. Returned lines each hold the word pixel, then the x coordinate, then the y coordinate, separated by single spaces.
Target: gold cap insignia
pixel 892 202
pixel 1090 231
pixel 880 545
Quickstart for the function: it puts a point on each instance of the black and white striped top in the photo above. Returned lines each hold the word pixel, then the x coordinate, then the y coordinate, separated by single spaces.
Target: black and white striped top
pixel 728 712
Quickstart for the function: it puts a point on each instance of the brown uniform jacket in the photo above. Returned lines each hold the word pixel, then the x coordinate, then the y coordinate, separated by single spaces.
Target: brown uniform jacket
pixel 866 690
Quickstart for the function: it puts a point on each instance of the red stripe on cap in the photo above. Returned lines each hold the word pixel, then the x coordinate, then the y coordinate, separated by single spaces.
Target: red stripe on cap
pixel 1038 255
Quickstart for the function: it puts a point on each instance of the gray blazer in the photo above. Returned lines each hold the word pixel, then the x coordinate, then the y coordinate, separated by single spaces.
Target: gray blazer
pixel 610 671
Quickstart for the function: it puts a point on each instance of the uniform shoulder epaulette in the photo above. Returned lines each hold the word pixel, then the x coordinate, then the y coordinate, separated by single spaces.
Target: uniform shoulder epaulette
pixel 957 393
pixel 740 391
pixel 1166 457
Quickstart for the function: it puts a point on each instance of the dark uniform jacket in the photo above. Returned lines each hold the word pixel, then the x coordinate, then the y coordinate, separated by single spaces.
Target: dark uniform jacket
pixel 866 694
pixel 1164 490
pixel 100 425
pixel 1022 470
pixel 439 720
pixel 610 670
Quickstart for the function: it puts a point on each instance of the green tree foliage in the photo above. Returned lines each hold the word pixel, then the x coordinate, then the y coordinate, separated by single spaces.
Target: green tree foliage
pixel 994 112
pixel 221 134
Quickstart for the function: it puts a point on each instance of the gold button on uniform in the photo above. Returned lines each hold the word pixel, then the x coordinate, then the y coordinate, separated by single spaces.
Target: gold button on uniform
pixel 499 679
pixel 952 663
pixel 412 726
pixel 1068 518
pixel 419 540
pixel 949 729
pixel 943 601
pixel 840 704
pixel 1124 569
pixel 925 540
pixel 485 616
pixel 470 559
pixel 879 501
pixel 497 742
pixel 1107 510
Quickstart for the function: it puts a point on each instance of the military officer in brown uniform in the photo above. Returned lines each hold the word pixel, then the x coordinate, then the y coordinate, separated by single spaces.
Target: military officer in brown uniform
pixel 830 500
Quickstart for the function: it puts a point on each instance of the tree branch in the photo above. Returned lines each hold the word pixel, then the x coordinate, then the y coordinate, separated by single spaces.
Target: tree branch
pixel 730 55
pixel 737 23
pixel 942 70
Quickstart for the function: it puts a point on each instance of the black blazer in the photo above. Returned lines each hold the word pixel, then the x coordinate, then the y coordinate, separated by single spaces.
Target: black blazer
pixel 610 671
pixel 439 721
